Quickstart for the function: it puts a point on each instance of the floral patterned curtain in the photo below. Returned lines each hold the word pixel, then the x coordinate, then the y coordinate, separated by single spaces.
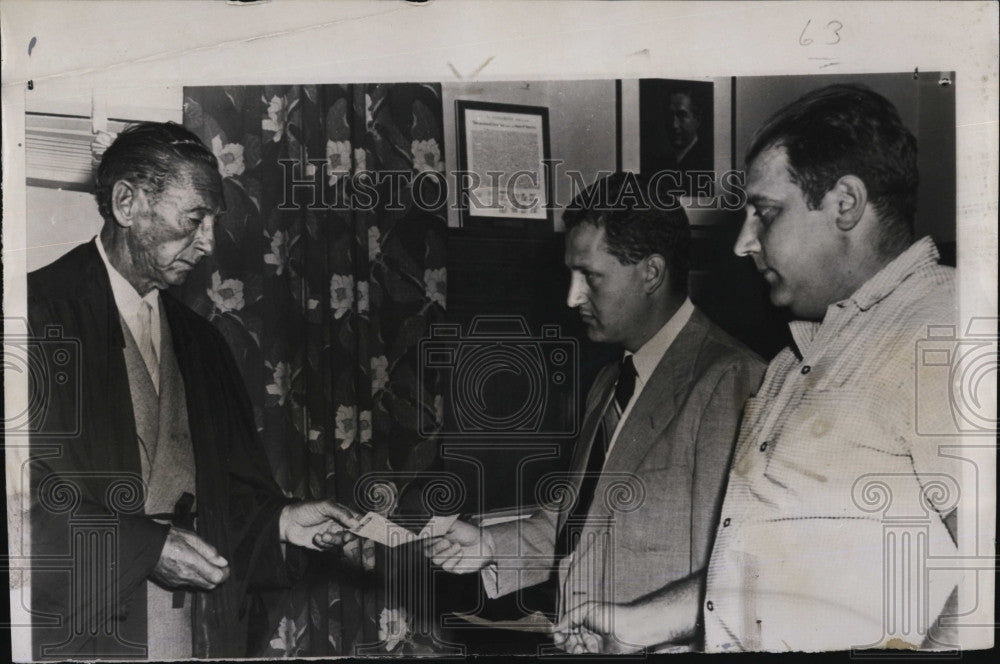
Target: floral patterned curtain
pixel 323 309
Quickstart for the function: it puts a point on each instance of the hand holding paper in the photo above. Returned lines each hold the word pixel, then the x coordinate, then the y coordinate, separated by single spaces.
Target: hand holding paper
pixel 317 524
pixel 379 529
pixel 463 548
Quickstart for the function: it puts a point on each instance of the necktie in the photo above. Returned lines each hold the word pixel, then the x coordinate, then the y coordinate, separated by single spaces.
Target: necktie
pixel 146 347
pixel 624 387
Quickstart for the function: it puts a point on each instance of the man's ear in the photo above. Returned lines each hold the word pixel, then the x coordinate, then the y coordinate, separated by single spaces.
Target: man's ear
pixel 125 202
pixel 655 274
pixel 850 196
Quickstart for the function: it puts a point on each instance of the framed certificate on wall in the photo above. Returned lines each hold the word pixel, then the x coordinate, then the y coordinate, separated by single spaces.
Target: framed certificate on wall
pixel 503 156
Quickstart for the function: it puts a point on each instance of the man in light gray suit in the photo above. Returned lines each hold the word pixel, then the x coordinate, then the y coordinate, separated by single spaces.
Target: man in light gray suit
pixel 647 473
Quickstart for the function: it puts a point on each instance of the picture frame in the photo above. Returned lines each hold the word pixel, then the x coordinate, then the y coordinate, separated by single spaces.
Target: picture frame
pixel 503 175
pixel 676 125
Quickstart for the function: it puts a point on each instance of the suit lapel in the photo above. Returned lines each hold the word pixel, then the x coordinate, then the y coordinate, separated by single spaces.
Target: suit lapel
pixel 651 414
pixel 659 400
pixel 653 411
pixel 103 343
pixel 94 287
pixel 605 387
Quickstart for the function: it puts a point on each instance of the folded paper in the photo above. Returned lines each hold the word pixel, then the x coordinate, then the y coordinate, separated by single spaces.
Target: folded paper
pixel 379 529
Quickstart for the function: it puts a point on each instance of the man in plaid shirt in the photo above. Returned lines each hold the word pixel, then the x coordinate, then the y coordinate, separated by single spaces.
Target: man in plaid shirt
pixel 835 500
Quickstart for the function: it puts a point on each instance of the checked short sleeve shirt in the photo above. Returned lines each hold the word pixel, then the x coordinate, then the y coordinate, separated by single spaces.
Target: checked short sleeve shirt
pixel 836 496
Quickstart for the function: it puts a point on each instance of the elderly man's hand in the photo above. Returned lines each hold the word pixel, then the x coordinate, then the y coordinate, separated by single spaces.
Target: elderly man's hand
pixel 317 524
pixel 189 561
pixel 464 548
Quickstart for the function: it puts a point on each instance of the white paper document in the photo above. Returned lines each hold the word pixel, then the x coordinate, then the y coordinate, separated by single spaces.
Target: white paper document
pixel 379 529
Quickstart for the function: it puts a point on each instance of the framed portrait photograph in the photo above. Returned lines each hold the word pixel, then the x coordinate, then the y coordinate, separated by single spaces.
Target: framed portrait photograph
pixel 675 125
pixel 502 176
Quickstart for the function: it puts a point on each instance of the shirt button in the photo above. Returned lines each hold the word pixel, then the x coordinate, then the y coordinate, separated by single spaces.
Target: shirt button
pixel 806 369
pixel 709 605
pixel 763 446
pixel 726 522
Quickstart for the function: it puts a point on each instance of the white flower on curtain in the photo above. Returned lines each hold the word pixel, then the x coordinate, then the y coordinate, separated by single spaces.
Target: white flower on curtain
pixel 338 160
pixel 393 627
pixel 277 116
pixel 229 156
pixel 288 636
pixel 374 243
pixel 347 426
pixel 436 285
pixel 281 381
pixel 341 294
pixel 279 253
pixel 226 295
pixel 426 156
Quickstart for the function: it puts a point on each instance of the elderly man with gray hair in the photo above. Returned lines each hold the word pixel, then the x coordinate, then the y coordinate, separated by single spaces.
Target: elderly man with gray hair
pixel 161 502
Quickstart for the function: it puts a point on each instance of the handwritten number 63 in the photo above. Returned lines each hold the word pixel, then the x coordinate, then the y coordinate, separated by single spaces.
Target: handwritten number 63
pixel 833 27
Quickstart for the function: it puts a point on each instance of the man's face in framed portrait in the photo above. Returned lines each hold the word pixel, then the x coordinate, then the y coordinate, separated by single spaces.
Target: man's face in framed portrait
pixel 683 120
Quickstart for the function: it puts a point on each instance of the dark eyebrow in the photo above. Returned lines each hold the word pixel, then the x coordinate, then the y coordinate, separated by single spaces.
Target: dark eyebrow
pixel 583 267
pixel 756 200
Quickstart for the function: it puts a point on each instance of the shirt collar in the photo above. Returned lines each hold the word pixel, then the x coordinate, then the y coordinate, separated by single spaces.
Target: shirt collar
pixel 127 298
pixel 921 254
pixel 649 355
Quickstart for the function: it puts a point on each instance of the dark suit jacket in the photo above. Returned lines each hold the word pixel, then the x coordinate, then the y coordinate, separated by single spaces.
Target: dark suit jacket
pixel 92 546
pixel 656 502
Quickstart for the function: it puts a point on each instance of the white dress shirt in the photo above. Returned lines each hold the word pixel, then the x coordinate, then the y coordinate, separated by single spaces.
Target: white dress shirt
pixel 648 357
pixel 140 312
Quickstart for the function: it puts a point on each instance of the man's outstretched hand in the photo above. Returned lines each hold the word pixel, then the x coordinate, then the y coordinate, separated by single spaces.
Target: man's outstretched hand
pixel 317 524
pixel 597 627
pixel 189 561
pixel 464 548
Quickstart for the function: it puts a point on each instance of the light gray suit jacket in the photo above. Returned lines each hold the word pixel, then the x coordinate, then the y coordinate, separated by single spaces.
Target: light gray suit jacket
pixel 652 517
